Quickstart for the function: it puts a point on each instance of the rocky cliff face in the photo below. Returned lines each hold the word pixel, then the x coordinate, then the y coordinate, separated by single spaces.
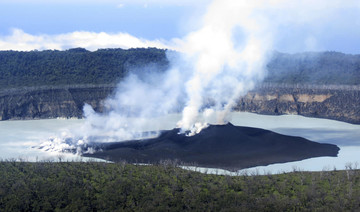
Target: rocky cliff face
pixel 332 102
pixel 51 102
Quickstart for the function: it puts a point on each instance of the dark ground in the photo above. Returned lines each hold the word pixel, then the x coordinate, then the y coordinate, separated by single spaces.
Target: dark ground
pixel 218 146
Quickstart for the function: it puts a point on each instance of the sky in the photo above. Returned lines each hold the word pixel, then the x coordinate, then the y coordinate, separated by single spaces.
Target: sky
pixel 55 24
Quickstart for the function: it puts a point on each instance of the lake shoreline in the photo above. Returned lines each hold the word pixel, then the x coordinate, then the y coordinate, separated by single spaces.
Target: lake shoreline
pixel 17 137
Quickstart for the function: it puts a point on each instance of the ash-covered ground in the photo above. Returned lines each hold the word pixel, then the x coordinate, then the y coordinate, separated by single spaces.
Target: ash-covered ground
pixel 217 146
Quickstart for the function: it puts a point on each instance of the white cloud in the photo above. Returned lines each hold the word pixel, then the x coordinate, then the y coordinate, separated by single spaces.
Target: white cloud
pixel 22 41
pixel 120 5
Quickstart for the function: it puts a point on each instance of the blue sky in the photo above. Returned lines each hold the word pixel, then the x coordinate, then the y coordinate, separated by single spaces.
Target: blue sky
pixel 146 21
pixel 155 23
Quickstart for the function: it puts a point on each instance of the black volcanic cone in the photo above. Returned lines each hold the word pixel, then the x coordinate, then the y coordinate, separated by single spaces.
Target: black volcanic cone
pixel 218 146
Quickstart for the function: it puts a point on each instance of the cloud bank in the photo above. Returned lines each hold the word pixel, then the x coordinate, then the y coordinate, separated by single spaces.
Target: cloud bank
pixel 296 26
pixel 22 41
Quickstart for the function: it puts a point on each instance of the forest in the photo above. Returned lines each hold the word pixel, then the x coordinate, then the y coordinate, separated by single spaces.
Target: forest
pixel 314 68
pixel 90 186
pixel 75 66
pixel 97 186
pixel 108 66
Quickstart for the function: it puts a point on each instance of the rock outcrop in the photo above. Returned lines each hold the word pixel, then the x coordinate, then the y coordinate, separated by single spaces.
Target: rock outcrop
pixel 51 102
pixel 332 102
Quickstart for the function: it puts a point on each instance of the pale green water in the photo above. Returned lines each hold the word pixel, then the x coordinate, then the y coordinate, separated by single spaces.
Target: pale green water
pixel 18 137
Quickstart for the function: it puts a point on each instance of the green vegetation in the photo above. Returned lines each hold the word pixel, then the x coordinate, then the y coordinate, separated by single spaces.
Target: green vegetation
pixel 321 68
pixel 74 66
pixel 77 186
pixel 79 66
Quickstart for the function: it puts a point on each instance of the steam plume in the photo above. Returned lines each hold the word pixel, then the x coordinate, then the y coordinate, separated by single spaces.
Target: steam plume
pixel 219 62
pixel 216 64
pixel 224 65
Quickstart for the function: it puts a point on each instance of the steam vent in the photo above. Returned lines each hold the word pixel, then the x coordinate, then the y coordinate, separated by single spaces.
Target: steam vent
pixel 218 146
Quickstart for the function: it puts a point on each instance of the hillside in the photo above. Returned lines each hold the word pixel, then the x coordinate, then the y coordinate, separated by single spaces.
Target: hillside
pixel 79 66
pixel 336 102
pixel 50 84
pixel 46 186
pixel 319 68
pixel 331 102
pixel 75 66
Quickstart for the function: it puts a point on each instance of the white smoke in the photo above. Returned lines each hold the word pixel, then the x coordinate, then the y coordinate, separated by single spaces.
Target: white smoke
pixel 231 48
pixel 224 69
pixel 213 69
pixel 138 100
pixel 216 64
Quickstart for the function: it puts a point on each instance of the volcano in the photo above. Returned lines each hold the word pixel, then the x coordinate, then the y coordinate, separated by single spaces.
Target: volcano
pixel 217 146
